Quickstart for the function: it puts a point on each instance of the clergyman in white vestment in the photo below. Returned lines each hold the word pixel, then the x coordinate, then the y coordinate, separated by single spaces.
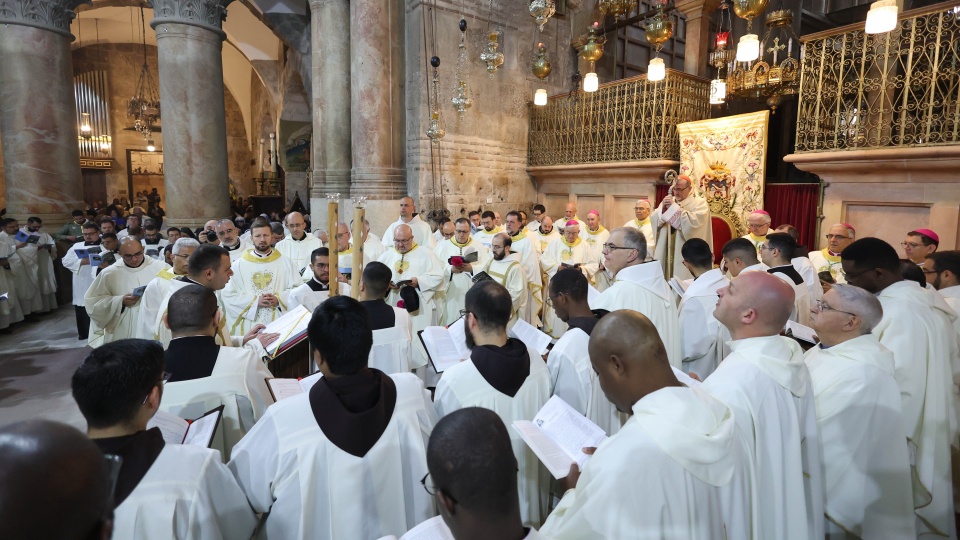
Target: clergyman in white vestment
pixel 344 459
pixel 866 466
pixel 839 236
pixel 227 233
pixel 642 222
pixel 692 221
pixel 668 471
pixel 459 278
pixel 37 257
pixel 162 490
pixel 393 337
pixel 81 273
pixel 702 336
pixel 505 268
pixel 422 234
pixel 766 384
pixel 317 288
pixel 158 290
pixel 523 244
pixel 502 375
pixel 299 244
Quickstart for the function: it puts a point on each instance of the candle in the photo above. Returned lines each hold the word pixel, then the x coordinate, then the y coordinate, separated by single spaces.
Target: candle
pixel 358 215
pixel 332 219
pixel 273 153
pixel 260 156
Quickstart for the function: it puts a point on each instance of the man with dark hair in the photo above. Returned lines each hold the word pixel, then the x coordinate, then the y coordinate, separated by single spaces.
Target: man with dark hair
pixel 679 448
pixel 568 251
pixel 920 244
pixel 231 241
pixel 504 376
pixel 453 254
pixel 20 276
pixel 72 504
pixel 342 458
pixel 504 267
pixel 159 287
pixel 539 211
pixel 702 338
pixel 474 217
pixel 776 252
pixel 438 235
pixel 82 274
pixel 315 291
pixel 278 234
pixel 921 337
pixel 571 374
pixel 262 279
pixel 134 227
pixel 529 252
pixel 801 262
pixel 942 271
pixel 173 234
pixel 487 230
pixel 640 286
pixel 106 225
pixel 162 490
pixel 473 475
pixel 392 328
pixel 37 257
pixel 740 255
pixel 153 242
pixel 71 231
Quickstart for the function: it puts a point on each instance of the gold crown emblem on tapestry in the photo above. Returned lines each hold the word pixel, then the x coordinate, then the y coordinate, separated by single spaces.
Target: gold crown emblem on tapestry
pixel 719 167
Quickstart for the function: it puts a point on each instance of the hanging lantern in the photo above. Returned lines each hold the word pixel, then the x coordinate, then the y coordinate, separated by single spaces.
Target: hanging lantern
pixel 591 52
pixel 591 82
pixel 540 97
pixel 882 17
pixel 656 70
pixel 461 98
pixel 748 49
pixel 718 91
pixel 542 10
pixel 491 56
pixel 436 130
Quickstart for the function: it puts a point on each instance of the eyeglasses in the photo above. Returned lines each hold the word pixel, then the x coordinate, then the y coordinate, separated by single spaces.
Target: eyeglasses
pixel 752 226
pixel 550 298
pixel 463 313
pixel 823 306
pixel 837 237
pixel 342 234
pixel 182 256
pixel 764 247
pixel 163 380
pixel 911 245
pixel 132 256
pixel 925 271
pixel 432 489
pixel 611 247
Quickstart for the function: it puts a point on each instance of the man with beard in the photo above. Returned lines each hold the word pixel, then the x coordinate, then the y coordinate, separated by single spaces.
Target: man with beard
pixel 107 225
pixel 159 287
pixel 37 257
pixel 451 252
pixel 504 376
pixel 299 246
pixel 227 233
pixel 262 279
pixel 153 241
pixel 73 230
pixel 545 233
pixel 113 300
pixel 133 229
pixel 19 274
pixel 312 293
pixel 523 245
pixel 504 268
pixel 487 230
pixel 79 268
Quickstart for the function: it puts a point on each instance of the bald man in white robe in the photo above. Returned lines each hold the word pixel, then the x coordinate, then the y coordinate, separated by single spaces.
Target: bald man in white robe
pixel 642 210
pixel 692 221
pixel 298 245
pixel 422 234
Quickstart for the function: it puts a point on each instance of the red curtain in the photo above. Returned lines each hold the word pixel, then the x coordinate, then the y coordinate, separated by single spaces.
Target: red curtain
pixel 661 193
pixel 794 204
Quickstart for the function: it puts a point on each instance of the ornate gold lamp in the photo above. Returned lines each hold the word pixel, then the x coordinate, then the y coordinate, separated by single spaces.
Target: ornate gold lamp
pixel 491 55
pixel 541 69
pixel 748 49
pixel 591 52
pixel 542 10
pixel 658 31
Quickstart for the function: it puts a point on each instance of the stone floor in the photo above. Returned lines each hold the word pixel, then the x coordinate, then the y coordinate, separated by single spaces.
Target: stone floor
pixel 37 360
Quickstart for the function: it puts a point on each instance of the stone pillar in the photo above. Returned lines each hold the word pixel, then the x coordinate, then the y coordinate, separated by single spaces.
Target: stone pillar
pixel 376 101
pixel 697 47
pixel 330 49
pixel 189 43
pixel 38 114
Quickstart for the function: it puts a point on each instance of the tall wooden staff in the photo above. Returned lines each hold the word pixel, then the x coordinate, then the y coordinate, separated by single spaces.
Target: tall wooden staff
pixel 358 216
pixel 670 177
pixel 333 218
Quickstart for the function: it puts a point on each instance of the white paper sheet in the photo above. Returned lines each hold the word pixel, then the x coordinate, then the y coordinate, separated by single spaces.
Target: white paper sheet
pixel 201 431
pixel 530 336
pixel 284 388
pixel 171 426
pixel 802 332
pixel 442 347
pixel 558 434
pixel 289 325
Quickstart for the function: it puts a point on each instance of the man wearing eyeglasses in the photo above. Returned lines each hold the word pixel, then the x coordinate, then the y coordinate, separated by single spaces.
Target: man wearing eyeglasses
pixel 919 333
pixel 453 254
pixel 860 420
pixel 640 286
pixel 159 287
pixel 371 251
pixel 827 259
pixel 113 299
pixel 691 221
pixel 299 245
pixel 920 244
pixel 758 225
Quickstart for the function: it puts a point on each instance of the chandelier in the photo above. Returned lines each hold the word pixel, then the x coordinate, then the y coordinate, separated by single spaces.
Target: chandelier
pixel 616 8
pixel 542 10
pixel 658 30
pixel 144 106
pixel 461 99
pixel 776 73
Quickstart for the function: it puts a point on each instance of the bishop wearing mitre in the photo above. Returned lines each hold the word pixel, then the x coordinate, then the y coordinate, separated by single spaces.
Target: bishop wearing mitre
pixel 458 272
pixel 692 220
pixel 262 279
pixel 568 251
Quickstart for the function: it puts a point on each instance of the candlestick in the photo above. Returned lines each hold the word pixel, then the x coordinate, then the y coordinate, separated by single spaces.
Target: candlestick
pixel 260 157
pixel 358 215
pixel 273 153
pixel 333 218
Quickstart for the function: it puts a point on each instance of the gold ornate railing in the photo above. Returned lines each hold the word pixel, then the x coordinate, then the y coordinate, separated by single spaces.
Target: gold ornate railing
pixel 627 120
pixel 900 89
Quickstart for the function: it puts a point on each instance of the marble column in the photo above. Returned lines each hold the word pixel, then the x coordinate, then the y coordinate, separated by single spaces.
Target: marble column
pixel 697 47
pixel 330 49
pixel 376 100
pixel 38 114
pixel 193 118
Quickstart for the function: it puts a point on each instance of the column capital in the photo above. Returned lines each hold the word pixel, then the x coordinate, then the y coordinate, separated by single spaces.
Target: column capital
pixel 52 15
pixel 694 9
pixel 206 14
pixel 320 3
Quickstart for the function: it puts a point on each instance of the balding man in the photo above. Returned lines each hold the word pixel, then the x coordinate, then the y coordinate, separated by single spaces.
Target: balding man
pixel 859 417
pixel 594 234
pixel 546 233
pixel 919 333
pixel 679 448
pixel 568 251
pixel 740 256
pixel 502 375
pixel 642 210
pixel 504 267
pixel 839 236
pixel 229 240
pixel 298 245
pixel 422 234
pixel 72 504
pixel 113 299
pixel 345 249
pixel 372 246
pixel 758 225
pixel 159 287
pixel 640 286
pixel 569 213
pixel 765 383
pixel 692 221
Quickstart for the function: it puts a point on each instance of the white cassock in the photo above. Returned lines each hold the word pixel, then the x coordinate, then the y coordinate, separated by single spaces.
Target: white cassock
pixel 154 251
pixel 311 294
pixel 254 276
pixel 464 386
pixel 152 302
pixel 866 467
pixel 701 341
pixel 237 252
pixel 298 251
pixel 807 271
pixel 421 263
pixel 238 382
pixel 921 337
pixel 641 287
pixel 693 221
pixel 664 475
pixel 757 241
pixel 530 261
pixel 509 273
pixel 26 290
pixel 824 261
pixel 575 381
pixel 313 489
pixel 392 350
pixel 533 226
pixel 801 299
pixel 560 252
pixel 104 300
pixel 596 240
pixel 82 274
pixel 485 237
pixel 39 266
pixel 647 230
pixel 766 384
pixel 422 234
pixel 543 240
pixel 187 493
pixel 452 300
pixel 10 311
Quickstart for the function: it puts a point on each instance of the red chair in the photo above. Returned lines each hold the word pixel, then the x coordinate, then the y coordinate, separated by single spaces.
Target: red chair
pixel 722 233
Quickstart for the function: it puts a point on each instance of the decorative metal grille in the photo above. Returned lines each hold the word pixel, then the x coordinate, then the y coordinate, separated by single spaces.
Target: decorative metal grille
pixel 90 93
pixel 628 120
pixel 900 89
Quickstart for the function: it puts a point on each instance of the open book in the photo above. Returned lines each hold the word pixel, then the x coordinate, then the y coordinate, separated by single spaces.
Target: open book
pixel 197 432
pixel 558 434
pixel 292 327
pixel 284 388
pixel 801 332
pixel 530 336
pixel 83 253
pixel 446 347
pixel 481 276
pixel 680 286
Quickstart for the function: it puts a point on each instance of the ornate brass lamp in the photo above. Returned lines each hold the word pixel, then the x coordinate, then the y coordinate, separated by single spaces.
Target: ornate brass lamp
pixel 541 69
pixel 748 49
pixel 616 8
pixel 491 56
pixel 542 10
pixel 461 99
pixel 658 31
pixel 777 73
pixel 591 52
